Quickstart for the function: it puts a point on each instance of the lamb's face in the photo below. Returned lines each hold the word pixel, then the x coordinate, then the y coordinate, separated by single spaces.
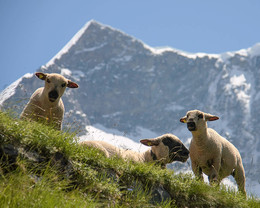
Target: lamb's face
pixel 167 149
pixel 173 148
pixel 55 85
pixel 196 119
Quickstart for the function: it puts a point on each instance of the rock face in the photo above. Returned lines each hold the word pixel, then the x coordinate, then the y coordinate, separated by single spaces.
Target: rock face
pixel 129 86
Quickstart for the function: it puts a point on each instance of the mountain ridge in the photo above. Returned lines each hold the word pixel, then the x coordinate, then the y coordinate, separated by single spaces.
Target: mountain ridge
pixel 131 87
pixel 254 50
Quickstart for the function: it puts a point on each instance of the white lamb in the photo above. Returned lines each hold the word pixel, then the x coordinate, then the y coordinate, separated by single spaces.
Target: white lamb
pixel 210 153
pixel 164 149
pixel 46 103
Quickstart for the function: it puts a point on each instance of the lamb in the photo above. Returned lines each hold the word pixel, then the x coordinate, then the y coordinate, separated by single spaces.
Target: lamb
pixel 164 149
pixel 45 103
pixel 210 153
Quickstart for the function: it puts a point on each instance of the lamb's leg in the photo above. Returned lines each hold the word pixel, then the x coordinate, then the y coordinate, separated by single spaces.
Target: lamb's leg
pixel 214 166
pixel 239 175
pixel 213 177
pixel 197 170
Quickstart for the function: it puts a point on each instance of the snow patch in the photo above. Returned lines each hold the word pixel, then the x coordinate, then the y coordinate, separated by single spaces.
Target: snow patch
pixel 77 75
pixel 112 115
pixel 96 68
pixel 161 50
pixel 91 49
pixel 65 72
pixel 225 56
pixel 81 114
pixel 122 59
pixel 238 84
pixel 140 132
pixel 112 138
pixel 251 52
pixel 28 75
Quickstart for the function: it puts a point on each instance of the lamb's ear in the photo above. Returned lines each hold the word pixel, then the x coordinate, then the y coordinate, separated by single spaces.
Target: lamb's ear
pixel 183 119
pixel 209 117
pixel 72 84
pixel 150 142
pixel 41 75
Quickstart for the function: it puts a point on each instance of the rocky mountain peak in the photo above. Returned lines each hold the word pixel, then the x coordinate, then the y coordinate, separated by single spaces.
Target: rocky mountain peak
pixel 129 86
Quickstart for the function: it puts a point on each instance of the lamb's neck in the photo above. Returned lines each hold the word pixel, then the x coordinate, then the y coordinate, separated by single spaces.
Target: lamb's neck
pixel 200 136
pixel 130 154
pixel 148 155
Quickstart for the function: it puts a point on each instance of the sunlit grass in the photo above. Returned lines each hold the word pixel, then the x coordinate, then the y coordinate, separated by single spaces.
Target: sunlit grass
pixel 21 190
pixel 92 179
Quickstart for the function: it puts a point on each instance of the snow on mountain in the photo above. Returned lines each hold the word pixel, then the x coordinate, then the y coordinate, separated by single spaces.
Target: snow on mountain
pixel 73 41
pixel 97 134
pixel 161 50
pixel 141 92
pixel 10 90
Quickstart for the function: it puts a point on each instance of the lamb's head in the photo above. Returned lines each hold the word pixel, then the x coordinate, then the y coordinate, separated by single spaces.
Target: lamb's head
pixel 167 148
pixel 55 85
pixel 196 119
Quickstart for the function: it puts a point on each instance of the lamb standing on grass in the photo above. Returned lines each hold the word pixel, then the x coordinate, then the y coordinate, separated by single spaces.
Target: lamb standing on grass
pixel 210 153
pixel 164 149
pixel 45 103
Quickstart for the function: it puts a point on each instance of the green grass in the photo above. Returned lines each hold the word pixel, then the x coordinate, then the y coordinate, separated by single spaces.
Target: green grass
pixel 90 179
pixel 21 190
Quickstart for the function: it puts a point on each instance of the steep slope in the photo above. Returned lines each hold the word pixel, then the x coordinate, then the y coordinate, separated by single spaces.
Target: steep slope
pixel 42 167
pixel 131 87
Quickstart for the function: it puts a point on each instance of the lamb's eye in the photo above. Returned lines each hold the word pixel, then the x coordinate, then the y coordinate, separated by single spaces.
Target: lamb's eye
pixel 200 116
pixel 63 85
pixel 49 81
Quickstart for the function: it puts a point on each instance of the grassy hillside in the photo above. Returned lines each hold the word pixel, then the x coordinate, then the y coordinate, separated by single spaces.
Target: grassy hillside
pixel 42 167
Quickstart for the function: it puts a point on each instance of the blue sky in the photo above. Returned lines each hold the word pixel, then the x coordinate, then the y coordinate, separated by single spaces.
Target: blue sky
pixel 33 31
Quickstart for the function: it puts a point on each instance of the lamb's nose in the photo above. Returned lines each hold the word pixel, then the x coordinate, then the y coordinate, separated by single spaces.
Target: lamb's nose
pixel 53 95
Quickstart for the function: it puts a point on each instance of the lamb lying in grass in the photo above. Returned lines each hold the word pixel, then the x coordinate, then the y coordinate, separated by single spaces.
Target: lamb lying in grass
pixel 164 149
pixel 46 103
pixel 210 153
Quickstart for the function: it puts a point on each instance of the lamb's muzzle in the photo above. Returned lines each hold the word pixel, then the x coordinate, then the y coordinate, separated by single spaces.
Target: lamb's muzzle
pixel 177 151
pixel 53 95
pixel 191 126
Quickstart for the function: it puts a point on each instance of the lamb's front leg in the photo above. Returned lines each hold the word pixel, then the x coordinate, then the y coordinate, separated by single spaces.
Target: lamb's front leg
pixel 197 170
pixel 214 166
